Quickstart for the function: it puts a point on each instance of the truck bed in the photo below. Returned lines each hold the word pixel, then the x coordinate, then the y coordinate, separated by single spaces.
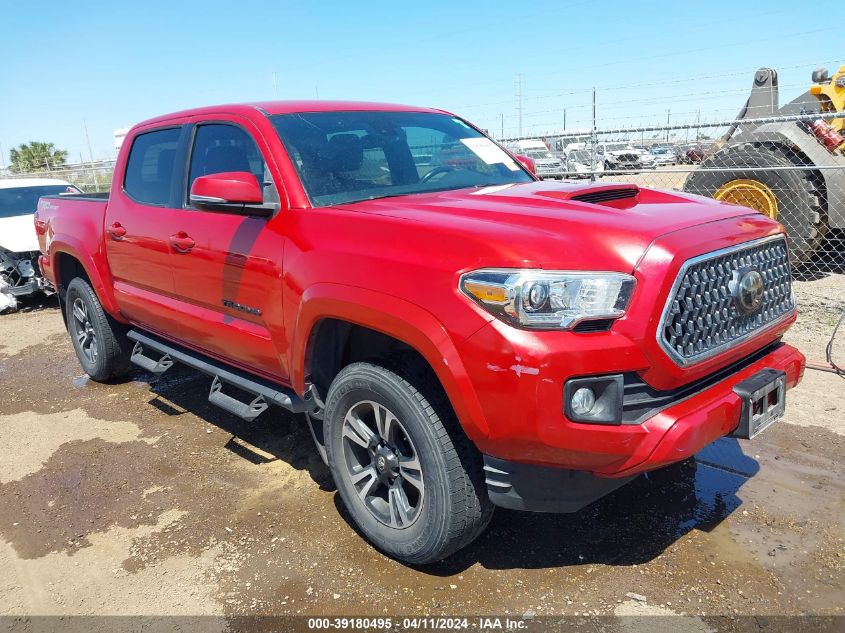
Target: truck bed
pixel 72 219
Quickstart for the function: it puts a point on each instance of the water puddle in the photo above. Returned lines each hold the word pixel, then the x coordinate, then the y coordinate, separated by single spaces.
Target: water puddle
pixel 80 381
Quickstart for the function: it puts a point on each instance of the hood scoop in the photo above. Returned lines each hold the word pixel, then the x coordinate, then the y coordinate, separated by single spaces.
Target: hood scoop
pixel 615 195
pixel 605 196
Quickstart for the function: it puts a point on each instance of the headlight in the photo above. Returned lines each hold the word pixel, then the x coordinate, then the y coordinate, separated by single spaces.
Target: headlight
pixel 549 300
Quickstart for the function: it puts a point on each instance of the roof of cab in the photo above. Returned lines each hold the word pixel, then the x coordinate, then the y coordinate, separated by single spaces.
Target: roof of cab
pixel 287 107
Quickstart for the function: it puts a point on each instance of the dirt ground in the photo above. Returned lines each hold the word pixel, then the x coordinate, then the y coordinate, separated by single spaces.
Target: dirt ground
pixel 140 498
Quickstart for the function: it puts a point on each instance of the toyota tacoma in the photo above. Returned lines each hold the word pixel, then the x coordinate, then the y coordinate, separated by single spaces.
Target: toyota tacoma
pixel 457 334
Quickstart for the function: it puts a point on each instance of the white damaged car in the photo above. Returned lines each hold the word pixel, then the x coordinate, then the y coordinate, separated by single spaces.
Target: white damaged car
pixel 20 275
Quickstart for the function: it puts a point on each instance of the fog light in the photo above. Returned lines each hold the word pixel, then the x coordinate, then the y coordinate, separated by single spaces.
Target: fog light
pixel 594 399
pixel 583 401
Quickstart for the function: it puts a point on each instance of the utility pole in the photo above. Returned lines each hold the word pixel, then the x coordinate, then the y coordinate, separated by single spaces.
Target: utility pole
pixel 594 141
pixel 317 92
pixel 502 117
pixel 2 159
pixel 275 86
pixel 697 125
pixel 564 119
pixel 667 125
pixel 91 156
pixel 519 100
pixel 88 141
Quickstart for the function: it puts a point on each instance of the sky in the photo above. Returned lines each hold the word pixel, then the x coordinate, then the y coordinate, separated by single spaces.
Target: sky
pixel 68 66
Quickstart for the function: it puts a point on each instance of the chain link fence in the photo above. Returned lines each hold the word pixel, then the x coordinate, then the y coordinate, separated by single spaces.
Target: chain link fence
pixel 90 176
pixel 791 168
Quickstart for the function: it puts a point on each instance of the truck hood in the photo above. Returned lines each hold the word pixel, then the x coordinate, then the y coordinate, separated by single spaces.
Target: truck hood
pixel 554 225
pixel 17 233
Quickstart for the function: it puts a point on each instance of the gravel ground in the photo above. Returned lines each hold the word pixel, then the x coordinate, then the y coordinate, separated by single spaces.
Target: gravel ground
pixel 140 498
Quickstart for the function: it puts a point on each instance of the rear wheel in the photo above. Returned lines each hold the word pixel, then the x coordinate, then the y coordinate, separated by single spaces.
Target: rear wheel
pixel 791 196
pixel 410 480
pixel 100 342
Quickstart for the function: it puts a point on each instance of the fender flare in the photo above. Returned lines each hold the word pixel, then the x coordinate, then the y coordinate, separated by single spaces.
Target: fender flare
pixel 400 319
pixel 68 245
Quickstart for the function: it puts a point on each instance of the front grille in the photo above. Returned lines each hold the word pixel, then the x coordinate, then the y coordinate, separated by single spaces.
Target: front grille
pixel 701 317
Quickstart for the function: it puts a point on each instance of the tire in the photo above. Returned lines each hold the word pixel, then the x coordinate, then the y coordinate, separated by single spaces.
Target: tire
pixel 99 341
pixel 441 504
pixel 797 192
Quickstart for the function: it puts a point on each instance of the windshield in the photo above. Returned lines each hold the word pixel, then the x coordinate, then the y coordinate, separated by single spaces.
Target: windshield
pixel 24 200
pixel 350 156
pixel 581 156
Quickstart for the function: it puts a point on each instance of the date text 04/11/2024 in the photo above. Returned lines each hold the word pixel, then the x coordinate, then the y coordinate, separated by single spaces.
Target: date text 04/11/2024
pixel 419 623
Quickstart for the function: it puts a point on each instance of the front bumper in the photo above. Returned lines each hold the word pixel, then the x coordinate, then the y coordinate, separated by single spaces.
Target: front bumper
pixel 673 434
pixel 520 384
pixel 20 275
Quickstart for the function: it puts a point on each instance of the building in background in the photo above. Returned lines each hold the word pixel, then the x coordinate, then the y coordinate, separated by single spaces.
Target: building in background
pixel 119 134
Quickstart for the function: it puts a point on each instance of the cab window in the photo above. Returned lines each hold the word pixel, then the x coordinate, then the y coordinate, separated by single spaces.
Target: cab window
pixel 149 168
pixel 219 148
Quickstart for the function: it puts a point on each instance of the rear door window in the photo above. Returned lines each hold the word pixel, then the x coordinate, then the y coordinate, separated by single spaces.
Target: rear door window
pixel 149 169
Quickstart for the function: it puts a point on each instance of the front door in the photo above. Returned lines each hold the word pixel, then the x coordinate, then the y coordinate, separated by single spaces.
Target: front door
pixel 137 231
pixel 229 272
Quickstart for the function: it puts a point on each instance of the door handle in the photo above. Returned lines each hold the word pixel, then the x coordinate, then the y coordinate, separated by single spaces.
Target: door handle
pixel 182 242
pixel 117 231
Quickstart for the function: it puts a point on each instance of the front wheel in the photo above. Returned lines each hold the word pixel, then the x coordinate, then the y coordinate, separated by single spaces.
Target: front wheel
pixel 410 480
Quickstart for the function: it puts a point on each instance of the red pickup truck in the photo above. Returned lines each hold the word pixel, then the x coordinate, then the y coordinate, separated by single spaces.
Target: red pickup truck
pixel 458 334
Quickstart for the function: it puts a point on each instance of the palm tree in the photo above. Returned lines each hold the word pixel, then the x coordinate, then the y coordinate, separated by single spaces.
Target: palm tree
pixel 36 156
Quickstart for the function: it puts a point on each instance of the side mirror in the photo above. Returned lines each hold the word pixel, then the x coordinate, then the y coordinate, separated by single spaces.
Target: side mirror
pixel 235 192
pixel 528 163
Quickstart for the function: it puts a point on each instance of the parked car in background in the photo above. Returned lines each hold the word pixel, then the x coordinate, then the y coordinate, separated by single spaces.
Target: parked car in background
pixel 621 157
pixel 580 163
pixel 20 275
pixel 545 163
pixel 646 158
pixel 694 153
pixel 663 155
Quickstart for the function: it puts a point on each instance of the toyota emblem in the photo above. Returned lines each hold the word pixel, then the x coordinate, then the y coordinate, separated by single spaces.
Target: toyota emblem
pixel 747 288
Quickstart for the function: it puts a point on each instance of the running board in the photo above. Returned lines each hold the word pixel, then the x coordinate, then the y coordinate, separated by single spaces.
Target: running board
pixel 265 392
pixel 157 367
pixel 245 410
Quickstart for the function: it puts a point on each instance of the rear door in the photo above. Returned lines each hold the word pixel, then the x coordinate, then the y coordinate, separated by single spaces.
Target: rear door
pixel 137 230
pixel 230 277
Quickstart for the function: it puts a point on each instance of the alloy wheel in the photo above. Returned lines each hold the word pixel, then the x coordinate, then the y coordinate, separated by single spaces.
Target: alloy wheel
pixel 383 464
pixel 83 331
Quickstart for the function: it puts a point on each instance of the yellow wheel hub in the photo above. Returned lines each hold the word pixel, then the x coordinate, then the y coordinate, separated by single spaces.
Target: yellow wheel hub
pixel 749 193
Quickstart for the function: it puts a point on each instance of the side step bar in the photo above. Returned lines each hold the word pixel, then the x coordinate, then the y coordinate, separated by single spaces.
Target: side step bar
pixel 265 392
